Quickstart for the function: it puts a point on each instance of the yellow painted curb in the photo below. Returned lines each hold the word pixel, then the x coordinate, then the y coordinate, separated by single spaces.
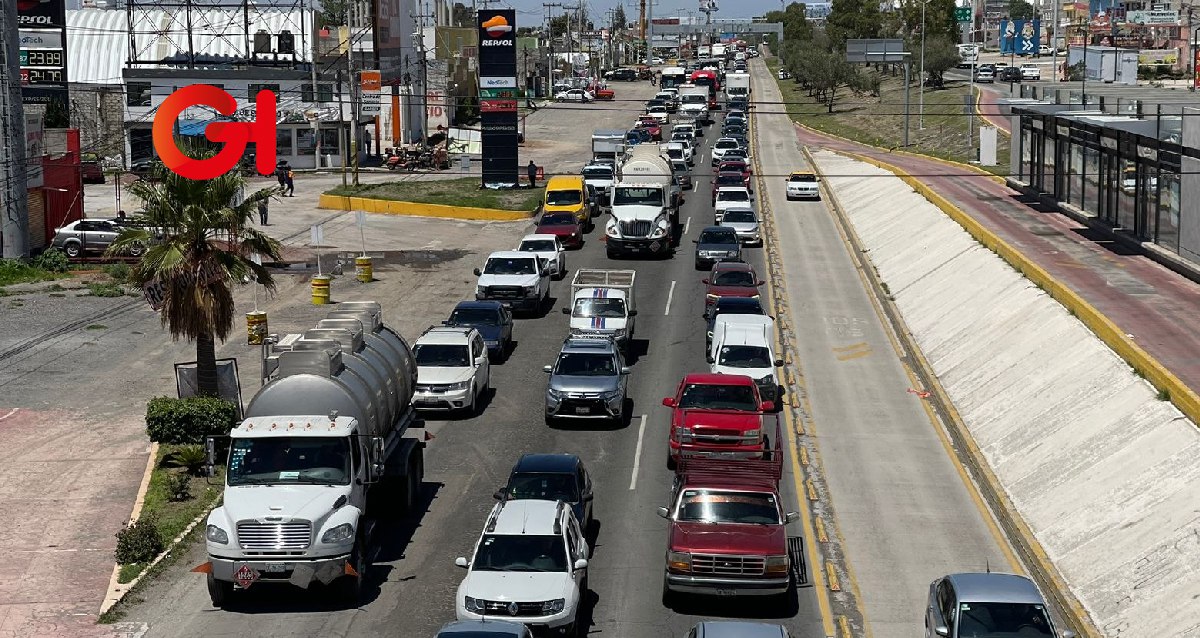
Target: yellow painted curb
pixel 1180 394
pixel 987 119
pixel 391 207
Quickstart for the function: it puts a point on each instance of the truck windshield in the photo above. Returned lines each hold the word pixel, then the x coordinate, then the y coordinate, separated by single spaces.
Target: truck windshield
pixel 999 620
pixel 475 317
pixel 713 506
pixel 718 397
pixel 524 553
pixel 300 460
pixel 744 357
pixel 441 355
pixel 598 172
pixel 694 98
pixel 563 198
pixel 579 364
pixel 542 486
pixel 592 307
pixel 638 197
pixel 510 266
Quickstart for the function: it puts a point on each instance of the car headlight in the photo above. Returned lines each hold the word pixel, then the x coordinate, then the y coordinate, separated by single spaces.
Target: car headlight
pixel 659 232
pixel 552 394
pixel 679 561
pixel 554 606
pixel 472 605
pixel 480 290
pixel 777 564
pixel 610 395
pixel 530 290
pixel 216 535
pixel 611 230
pixel 337 535
pixel 461 385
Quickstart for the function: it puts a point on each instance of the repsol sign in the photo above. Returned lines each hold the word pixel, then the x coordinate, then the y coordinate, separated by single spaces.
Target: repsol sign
pixel 34 21
pixel 496 43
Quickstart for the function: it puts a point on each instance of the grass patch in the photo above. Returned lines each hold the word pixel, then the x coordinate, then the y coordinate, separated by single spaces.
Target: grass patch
pixel 16 272
pixel 128 572
pixel 879 121
pixel 108 289
pixel 117 612
pixel 453 192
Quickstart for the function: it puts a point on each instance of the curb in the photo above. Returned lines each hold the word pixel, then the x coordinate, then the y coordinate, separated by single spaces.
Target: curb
pixel 1158 375
pixel 1009 518
pixel 392 207
pixel 117 591
pixel 985 118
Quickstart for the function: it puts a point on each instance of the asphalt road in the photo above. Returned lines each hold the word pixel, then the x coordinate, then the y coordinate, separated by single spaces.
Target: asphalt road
pixel 414 579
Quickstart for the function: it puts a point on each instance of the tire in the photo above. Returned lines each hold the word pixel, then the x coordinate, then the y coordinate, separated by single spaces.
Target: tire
pixel 350 587
pixel 669 599
pixel 549 420
pixel 219 591
pixel 73 250
pixel 412 488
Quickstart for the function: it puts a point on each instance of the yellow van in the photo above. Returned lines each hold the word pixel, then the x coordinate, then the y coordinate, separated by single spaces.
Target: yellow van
pixel 567 194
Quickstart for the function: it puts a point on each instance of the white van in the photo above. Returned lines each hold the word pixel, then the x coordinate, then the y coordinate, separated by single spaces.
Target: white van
pixel 745 344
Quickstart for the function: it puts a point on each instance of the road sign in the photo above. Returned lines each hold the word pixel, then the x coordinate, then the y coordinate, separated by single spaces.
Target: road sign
pixel 245 576
pixel 962 14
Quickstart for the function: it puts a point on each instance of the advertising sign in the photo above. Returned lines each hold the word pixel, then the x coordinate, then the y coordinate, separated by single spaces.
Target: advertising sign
pixel 393 34
pixel 41 14
pixel 498 115
pixel 1158 57
pixel 30 39
pixel 1021 37
pixel 1154 17
pixel 369 83
pixel 42 26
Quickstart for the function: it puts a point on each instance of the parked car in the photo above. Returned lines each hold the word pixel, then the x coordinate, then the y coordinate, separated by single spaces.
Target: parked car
pixel 717 244
pixel 491 319
pixel 587 381
pixel 552 477
pixel 90 168
pixel 988 604
pixel 563 225
pixel 79 238
pixel 574 95
pixel 453 369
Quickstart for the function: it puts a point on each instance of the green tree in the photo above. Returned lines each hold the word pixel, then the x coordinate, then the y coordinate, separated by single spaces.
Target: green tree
pixel 941 55
pixel 939 20
pixel 207 245
pixel 332 13
pixel 619 18
pixel 853 19
pixel 1020 10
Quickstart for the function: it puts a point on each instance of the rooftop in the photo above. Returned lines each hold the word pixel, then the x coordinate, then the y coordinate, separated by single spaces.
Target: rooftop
pixel 551 463
pixel 525 516
pixel 995 587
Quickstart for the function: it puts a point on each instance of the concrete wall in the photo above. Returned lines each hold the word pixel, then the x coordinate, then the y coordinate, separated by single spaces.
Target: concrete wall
pixel 1105 474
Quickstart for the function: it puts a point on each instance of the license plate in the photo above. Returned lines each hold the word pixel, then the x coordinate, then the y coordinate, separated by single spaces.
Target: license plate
pixel 275 568
pixel 427 402
pixel 654 247
pixel 725 592
pixel 583 410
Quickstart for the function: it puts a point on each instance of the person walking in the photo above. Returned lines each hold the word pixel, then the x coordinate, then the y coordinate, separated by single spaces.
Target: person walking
pixel 291 183
pixel 531 171
pixel 262 213
pixel 281 171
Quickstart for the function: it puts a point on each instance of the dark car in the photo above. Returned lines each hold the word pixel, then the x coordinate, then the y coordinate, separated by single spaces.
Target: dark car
pixel 493 321
pixel 730 306
pixel 565 225
pixel 89 168
pixel 730 279
pixel 552 477
pixel 637 136
pixel 716 244
pixel 624 75
pixel 1011 74
pixel 733 129
pixel 680 168
pixel 726 179
pixel 148 169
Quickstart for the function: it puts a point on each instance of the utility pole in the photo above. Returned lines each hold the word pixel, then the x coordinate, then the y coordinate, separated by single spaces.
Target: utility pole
pixel 351 80
pixel 550 41
pixel 316 120
pixel 921 76
pixel 13 203
pixel 642 26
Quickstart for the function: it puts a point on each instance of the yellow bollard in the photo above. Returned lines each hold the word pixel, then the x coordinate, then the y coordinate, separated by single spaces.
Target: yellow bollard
pixel 364 270
pixel 320 289
pixel 256 327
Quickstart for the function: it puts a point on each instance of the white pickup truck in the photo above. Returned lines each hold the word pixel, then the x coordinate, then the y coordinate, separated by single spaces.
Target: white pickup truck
pixel 603 304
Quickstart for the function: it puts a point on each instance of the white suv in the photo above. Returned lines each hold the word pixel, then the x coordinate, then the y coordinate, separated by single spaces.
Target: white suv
pixel 453 371
pixel 529 565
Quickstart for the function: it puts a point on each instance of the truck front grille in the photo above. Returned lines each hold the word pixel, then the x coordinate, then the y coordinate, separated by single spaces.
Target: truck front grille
pixel 717 565
pixel 499 607
pixel 256 536
pixel 636 228
pixel 505 292
pixel 712 435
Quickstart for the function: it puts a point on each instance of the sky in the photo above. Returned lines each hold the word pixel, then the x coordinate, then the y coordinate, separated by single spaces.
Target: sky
pixel 531 11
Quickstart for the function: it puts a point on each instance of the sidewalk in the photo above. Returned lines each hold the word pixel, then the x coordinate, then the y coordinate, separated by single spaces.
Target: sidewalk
pixel 1151 304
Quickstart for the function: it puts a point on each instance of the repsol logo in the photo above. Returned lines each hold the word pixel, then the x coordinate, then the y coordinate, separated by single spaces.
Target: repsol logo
pixel 33 19
pixel 496 43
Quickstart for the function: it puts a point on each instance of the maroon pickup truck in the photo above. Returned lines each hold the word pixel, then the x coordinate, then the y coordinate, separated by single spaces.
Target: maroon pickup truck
pixel 728 530
pixel 719 415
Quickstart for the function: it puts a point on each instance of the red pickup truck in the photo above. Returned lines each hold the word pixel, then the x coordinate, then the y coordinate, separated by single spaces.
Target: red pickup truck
pixel 719 415
pixel 728 530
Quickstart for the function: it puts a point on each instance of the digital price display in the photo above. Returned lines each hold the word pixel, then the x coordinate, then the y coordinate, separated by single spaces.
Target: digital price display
pixel 43 76
pixel 43 57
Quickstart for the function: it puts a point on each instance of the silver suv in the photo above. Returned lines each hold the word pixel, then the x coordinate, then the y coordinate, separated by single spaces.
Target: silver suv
pixel 588 381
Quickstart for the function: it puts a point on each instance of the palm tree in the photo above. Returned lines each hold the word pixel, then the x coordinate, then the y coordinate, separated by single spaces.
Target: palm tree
pixel 199 241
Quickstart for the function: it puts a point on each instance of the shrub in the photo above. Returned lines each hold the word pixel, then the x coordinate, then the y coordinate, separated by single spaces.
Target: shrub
pixel 188 421
pixel 53 260
pixel 189 457
pixel 138 543
pixel 179 486
pixel 106 290
pixel 120 272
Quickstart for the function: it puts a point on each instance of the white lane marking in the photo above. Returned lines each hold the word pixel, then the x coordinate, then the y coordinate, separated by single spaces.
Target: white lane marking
pixel 670 296
pixel 687 224
pixel 10 413
pixel 637 455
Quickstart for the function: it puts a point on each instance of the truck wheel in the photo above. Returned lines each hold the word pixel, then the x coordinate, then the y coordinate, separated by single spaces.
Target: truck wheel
pixel 412 489
pixel 350 587
pixel 219 591
pixel 669 599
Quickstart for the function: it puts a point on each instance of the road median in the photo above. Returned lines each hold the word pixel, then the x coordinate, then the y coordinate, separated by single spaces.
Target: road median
pixel 450 199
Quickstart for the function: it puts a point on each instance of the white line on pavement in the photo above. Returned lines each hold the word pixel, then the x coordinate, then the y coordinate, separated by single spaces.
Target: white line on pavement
pixel 670 296
pixel 637 455
pixel 10 413
pixel 686 225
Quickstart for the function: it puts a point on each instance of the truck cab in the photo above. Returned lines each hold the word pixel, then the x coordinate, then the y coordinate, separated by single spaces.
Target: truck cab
pixel 645 201
pixel 603 304
pixel 727 529
pixel 744 344
pixel 721 416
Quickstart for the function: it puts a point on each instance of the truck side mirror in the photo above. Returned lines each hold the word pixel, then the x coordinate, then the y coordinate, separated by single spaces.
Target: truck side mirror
pixel 790 517
pixel 633 313
pixel 566 311
pixel 461 561
pixel 499 495
pixel 669 402
pixel 581 563
pixel 768 406
pixel 210 456
pixel 662 511
pixel 478 272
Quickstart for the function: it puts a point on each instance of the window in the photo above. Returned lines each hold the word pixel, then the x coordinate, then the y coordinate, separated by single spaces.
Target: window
pixel 137 94
pixel 253 89
pixel 324 93
pixel 305 142
pixel 330 141
pixel 283 141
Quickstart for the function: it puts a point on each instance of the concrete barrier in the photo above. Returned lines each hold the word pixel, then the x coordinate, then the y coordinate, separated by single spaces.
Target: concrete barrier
pixel 392 207
pixel 1103 474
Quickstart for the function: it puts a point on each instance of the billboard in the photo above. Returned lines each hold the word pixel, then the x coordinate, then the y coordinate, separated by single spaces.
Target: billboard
pixel 1021 37
pixel 42 33
pixel 498 115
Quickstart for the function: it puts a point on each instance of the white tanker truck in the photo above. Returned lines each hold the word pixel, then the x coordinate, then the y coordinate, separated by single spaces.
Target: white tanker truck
pixel 328 446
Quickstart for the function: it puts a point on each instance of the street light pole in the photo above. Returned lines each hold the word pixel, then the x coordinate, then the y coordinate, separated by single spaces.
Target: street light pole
pixel 921 108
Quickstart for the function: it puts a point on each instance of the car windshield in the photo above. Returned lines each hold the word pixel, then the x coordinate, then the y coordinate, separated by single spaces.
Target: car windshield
pixel 695 98
pixel 729 144
pixel 585 364
pixel 736 152
pixel 598 172
pixel 594 307
pixel 718 397
pixel 510 266
pixel 803 178
pixel 1002 620
pixel 563 198
pixel 739 167
pixel 524 553
pixel 714 506
pixel 637 196
pixel 714 237
pixel 441 355
pixel 730 180
pixel 739 216
pixel 538 245
pixel 737 306
pixel 679 166
pixel 544 487
pixel 557 220
pixel 734 278
pixel 475 317
pixel 744 357
pixel 733 196
pixel 307 460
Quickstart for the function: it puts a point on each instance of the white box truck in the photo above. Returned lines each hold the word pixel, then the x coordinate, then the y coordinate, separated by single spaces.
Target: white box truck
pixel 603 304
pixel 608 144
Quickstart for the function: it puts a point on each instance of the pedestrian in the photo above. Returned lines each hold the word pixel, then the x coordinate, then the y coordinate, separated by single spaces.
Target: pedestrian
pixel 262 212
pixel 531 170
pixel 291 183
pixel 367 141
pixel 281 171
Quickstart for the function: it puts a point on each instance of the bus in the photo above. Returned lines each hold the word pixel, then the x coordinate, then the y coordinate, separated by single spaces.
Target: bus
pixel 673 76
pixel 708 78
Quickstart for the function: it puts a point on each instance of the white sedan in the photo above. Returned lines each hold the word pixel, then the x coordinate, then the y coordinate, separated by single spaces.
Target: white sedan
pixel 549 250
pixel 574 95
